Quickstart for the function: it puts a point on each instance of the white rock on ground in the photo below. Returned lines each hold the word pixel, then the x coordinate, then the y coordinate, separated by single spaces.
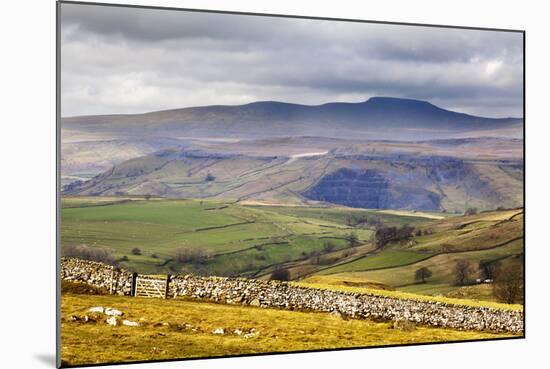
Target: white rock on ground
pixel 129 323
pixel 218 331
pixel 112 321
pixel 96 309
pixel 111 311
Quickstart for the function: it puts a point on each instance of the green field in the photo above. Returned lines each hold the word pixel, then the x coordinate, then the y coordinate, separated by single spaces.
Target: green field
pixel 239 240
pixel 384 259
pixel 490 236
pixel 253 240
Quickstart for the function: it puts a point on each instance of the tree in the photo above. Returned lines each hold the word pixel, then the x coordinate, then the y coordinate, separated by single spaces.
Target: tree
pixel 508 284
pixel 136 251
pixel 385 235
pixel 489 268
pixel 191 255
pixel 463 271
pixel 280 274
pixel 209 177
pixel 89 253
pixel 148 196
pixel 352 239
pixel 422 274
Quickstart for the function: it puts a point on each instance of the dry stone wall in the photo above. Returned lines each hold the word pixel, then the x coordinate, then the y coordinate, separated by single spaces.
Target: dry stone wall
pixel 275 294
pixel 115 280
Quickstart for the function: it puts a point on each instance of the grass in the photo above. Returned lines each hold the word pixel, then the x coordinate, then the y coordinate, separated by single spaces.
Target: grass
pixel 442 266
pixel 176 329
pixel 241 239
pixel 481 233
pixel 339 284
pixel 385 259
pixel 341 214
pixel 253 240
pixel 487 236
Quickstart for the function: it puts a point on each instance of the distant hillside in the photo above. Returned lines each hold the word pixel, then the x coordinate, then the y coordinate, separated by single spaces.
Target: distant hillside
pixel 376 118
pixel 415 176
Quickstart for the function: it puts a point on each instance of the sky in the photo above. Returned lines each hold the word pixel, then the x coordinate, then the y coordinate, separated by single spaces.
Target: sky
pixel 126 60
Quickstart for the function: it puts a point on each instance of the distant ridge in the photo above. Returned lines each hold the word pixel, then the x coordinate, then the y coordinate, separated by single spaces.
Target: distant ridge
pixel 375 118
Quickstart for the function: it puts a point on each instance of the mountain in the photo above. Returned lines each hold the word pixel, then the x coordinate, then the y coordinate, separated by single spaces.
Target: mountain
pixel 376 118
pixel 384 153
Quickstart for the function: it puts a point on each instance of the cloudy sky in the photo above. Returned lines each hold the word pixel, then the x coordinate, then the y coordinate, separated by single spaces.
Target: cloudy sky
pixel 126 60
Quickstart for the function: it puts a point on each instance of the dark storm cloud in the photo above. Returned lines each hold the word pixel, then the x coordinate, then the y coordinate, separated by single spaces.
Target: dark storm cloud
pixel 133 60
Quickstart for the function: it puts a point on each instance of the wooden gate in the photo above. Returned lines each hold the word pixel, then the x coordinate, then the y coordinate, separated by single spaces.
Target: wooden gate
pixel 151 287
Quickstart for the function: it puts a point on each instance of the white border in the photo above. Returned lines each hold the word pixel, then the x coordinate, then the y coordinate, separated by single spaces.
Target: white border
pixel 28 182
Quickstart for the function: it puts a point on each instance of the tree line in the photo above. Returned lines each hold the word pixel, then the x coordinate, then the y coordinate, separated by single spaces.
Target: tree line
pixel 506 280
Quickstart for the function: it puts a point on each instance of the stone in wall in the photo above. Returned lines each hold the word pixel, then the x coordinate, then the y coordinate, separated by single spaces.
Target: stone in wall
pixel 275 294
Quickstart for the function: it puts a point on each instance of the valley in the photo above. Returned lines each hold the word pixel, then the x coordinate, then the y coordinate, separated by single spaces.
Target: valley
pixel 250 190
pixel 319 244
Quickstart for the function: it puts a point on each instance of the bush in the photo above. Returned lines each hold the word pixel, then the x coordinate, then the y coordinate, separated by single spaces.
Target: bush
pixel 329 246
pixel 136 251
pixel 191 255
pixel 508 284
pixel 352 239
pixel 154 256
pixel 422 274
pixel 209 178
pixel 89 253
pixel 280 274
pixel 489 268
pixel 470 211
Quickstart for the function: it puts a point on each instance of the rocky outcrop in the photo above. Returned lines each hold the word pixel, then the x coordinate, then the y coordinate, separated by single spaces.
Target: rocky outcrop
pixel 275 294
pixel 375 189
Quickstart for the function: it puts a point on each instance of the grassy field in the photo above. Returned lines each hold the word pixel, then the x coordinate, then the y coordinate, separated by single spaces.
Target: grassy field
pixel 443 279
pixel 240 239
pixel 341 215
pixel 172 329
pixel 385 259
pixel 490 236
pixel 253 240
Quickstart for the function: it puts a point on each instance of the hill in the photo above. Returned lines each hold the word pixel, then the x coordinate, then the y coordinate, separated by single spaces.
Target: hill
pixel 227 239
pixel 448 175
pixel 376 118
pixel 491 237
pixel 233 239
